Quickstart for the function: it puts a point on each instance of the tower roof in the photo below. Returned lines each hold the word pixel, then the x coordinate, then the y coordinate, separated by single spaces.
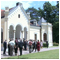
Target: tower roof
pixel 42 20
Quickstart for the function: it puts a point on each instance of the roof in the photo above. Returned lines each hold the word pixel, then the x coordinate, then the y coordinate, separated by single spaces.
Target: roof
pixel 2 12
pixel 20 4
pixel 33 20
pixel 42 20
pixel 34 25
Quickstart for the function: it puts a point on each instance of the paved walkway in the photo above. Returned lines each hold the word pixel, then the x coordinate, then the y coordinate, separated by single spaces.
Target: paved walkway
pixel 27 52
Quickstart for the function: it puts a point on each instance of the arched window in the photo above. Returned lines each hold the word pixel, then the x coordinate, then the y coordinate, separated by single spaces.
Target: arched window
pixel 45 36
pixel 18 15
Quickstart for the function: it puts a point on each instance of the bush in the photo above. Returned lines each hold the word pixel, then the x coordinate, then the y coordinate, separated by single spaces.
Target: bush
pixel 44 45
pixel 55 44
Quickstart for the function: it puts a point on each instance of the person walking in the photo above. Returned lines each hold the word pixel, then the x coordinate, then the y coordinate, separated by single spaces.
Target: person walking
pixel 25 45
pixel 41 43
pixel 16 46
pixel 30 46
pixel 34 45
pixel 9 47
pixel 38 46
pixel 20 45
pixel 47 44
pixel 12 44
pixel 5 46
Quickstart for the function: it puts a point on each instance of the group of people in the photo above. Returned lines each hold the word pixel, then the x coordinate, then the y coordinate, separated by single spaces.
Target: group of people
pixel 18 45
pixel 14 46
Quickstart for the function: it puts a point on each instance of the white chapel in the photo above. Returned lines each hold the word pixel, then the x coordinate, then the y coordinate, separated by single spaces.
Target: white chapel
pixel 16 23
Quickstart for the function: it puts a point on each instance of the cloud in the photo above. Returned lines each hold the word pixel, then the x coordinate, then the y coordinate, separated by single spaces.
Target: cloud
pixel 11 4
pixel 26 4
pixel 53 2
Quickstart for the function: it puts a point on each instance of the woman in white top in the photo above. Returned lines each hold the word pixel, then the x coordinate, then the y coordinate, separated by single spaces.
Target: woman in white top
pixel 41 43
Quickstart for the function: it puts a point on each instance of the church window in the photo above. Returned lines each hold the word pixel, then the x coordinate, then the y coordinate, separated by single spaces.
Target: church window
pixel 18 15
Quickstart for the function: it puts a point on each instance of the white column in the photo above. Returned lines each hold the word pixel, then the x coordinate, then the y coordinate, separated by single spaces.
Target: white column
pixel 8 36
pixel 6 23
pixel 6 29
pixel 41 34
pixel 14 34
pixel 48 34
pixel 22 35
pixel 27 34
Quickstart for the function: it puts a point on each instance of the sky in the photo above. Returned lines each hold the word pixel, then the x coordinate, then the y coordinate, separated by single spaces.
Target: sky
pixel 26 4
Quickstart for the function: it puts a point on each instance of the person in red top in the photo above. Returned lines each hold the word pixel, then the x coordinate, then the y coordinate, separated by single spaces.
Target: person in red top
pixel 30 45
pixel 38 46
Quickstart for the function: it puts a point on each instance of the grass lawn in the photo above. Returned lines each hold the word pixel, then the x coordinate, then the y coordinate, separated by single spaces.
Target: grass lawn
pixel 52 54
pixel 51 46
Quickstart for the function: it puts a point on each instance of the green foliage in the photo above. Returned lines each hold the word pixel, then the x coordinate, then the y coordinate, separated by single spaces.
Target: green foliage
pixel 40 12
pixel 52 54
pixel 50 14
pixel 44 45
pixel 33 13
pixel 56 32
pixel 55 44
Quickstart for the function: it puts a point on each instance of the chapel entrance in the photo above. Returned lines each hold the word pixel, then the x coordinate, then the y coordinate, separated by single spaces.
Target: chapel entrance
pixel 45 36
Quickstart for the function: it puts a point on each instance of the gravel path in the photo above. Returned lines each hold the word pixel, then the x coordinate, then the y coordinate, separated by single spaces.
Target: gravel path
pixel 27 52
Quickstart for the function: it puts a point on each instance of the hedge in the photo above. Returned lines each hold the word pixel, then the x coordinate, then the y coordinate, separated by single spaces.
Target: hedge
pixel 44 45
pixel 55 44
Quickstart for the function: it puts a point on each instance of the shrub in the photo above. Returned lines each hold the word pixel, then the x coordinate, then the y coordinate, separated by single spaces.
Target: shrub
pixel 55 44
pixel 44 45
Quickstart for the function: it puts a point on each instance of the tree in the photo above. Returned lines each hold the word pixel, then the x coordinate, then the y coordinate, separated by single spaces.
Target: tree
pixel 56 32
pixel 33 13
pixel 47 11
pixel 40 12
pixel 51 15
pixel 56 25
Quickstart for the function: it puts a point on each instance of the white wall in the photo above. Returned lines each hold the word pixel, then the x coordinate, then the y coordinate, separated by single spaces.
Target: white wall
pixel 34 31
pixel 44 30
pixel 50 36
pixel 47 28
pixel 14 20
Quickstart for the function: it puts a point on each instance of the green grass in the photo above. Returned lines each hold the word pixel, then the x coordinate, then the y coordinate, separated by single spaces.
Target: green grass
pixel 51 46
pixel 52 54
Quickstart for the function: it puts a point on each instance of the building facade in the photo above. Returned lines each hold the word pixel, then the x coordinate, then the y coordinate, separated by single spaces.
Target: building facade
pixel 16 23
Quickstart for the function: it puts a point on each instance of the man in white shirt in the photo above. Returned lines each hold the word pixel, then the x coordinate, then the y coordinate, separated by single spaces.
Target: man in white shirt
pixel 12 44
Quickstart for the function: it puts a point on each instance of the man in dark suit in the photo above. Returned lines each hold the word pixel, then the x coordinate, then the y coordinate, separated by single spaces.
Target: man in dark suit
pixel 5 46
pixel 47 44
pixel 34 45
pixel 20 45
pixel 25 45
